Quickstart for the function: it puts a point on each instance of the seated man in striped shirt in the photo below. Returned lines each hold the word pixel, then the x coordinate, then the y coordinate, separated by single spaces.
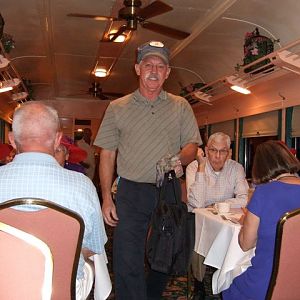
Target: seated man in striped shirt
pixel 210 179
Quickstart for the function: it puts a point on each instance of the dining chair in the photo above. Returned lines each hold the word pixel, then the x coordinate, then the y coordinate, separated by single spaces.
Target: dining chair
pixel 60 228
pixel 26 265
pixel 284 283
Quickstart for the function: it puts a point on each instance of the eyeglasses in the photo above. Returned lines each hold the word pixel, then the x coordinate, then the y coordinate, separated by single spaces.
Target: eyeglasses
pixel 222 152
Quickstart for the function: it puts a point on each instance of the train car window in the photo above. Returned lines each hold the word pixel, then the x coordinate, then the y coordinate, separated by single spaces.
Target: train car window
pixel 226 127
pixel 296 145
pixel 265 124
pixel 250 147
pixel 2 131
pixel 5 127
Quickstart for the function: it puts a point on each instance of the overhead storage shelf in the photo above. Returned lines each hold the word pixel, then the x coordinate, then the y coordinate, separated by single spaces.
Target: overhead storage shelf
pixel 278 63
pixel 10 78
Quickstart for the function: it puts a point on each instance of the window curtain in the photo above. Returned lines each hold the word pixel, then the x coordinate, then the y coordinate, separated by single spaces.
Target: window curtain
pixel 226 127
pixel 265 124
pixel 296 122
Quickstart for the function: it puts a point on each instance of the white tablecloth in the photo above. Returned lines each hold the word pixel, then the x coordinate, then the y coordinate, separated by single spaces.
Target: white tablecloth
pixel 102 279
pixel 217 240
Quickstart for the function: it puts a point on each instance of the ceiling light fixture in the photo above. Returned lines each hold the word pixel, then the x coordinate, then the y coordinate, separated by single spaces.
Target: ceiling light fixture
pixel 100 73
pixel 5 86
pixel 238 84
pixel 119 39
pixel 5 89
pixel 240 89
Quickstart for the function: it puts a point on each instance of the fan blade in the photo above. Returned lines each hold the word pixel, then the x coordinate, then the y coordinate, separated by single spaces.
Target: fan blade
pixel 102 96
pixel 77 94
pixel 154 9
pixel 121 30
pixel 95 17
pixel 168 31
pixel 114 94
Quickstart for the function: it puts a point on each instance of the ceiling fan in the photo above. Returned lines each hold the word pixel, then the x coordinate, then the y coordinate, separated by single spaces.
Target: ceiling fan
pixel 96 91
pixel 133 14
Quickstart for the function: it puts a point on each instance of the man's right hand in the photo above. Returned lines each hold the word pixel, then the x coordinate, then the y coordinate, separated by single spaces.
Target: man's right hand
pixel 200 156
pixel 109 213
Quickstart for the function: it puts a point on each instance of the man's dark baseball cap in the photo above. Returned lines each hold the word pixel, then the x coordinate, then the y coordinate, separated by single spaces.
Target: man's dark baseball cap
pixel 153 48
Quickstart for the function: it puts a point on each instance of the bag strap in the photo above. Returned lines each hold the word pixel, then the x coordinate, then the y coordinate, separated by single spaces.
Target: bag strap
pixel 170 176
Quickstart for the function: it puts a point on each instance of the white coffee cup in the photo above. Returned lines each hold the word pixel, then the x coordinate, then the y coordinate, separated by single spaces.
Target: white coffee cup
pixel 222 207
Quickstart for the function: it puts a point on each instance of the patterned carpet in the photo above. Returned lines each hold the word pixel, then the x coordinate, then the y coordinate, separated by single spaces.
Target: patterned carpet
pixel 177 287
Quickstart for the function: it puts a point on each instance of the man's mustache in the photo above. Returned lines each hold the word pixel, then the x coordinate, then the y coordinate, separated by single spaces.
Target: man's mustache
pixel 153 76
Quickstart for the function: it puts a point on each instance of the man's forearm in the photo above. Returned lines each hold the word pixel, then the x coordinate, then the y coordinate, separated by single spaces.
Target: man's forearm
pixel 106 171
pixel 188 153
pixel 196 186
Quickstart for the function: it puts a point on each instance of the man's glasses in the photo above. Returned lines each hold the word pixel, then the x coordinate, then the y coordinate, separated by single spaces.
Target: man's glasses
pixel 222 152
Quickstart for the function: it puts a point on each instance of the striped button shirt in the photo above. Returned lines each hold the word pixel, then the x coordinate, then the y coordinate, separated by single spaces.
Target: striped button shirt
pixel 38 175
pixel 144 131
pixel 208 187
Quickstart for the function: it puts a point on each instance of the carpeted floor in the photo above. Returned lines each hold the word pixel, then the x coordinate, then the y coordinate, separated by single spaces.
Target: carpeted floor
pixel 177 287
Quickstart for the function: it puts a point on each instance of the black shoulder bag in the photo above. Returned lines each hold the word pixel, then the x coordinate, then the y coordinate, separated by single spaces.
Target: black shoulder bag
pixel 172 231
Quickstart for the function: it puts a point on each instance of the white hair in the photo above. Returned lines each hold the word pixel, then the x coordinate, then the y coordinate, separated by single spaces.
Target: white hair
pixel 35 121
pixel 219 136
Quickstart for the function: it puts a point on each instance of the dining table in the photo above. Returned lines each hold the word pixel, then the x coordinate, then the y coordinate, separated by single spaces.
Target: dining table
pixel 216 238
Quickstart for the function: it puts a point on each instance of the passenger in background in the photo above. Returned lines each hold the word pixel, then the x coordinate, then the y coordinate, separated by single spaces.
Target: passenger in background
pixel 10 156
pixel 83 141
pixel 5 153
pixel 69 155
pixel 34 172
pixel 278 190
pixel 211 178
pixel 215 177
pixel 61 154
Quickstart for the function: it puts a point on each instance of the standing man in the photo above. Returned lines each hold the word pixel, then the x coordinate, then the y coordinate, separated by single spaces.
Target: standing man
pixel 212 178
pixel 140 129
pixel 35 173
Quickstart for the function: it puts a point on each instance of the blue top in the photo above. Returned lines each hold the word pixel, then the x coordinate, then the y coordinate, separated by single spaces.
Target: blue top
pixel 269 202
pixel 75 167
pixel 38 175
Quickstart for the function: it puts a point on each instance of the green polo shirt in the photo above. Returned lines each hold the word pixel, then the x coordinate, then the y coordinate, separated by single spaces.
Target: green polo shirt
pixel 144 131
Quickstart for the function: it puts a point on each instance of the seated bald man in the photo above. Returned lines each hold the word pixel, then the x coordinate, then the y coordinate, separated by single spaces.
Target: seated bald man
pixel 34 172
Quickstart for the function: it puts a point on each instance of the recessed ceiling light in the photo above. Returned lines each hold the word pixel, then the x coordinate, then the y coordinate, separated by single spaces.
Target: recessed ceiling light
pixel 100 73
pixel 120 38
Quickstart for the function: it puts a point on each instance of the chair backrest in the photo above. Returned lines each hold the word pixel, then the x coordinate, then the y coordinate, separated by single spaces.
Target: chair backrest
pixel 284 283
pixel 26 265
pixel 60 228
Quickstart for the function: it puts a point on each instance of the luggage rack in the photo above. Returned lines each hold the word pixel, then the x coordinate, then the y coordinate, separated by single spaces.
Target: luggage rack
pixel 278 63
pixel 10 79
